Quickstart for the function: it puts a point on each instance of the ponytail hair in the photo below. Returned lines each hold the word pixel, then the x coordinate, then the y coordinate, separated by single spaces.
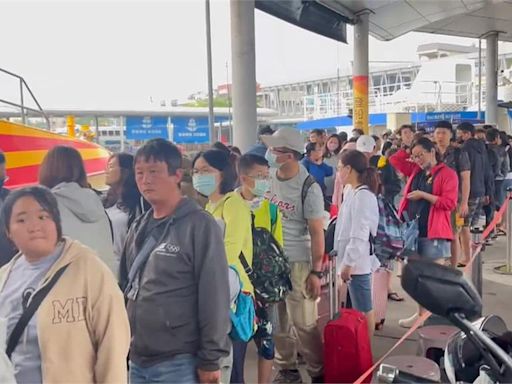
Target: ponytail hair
pixel 359 163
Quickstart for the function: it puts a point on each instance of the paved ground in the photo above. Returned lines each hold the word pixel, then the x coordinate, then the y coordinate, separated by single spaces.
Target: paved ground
pixel 497 292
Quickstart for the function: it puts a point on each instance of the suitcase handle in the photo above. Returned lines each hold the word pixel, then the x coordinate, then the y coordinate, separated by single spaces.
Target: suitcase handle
pixel 333 285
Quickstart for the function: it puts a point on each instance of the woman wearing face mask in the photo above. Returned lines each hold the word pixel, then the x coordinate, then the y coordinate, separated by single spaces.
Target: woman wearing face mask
pixel 359 219
pixel 430 195
pixel 79 333
pixel 214 176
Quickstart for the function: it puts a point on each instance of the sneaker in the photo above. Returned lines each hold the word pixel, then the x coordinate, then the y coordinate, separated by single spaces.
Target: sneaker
pixel 288 376
pixel 408 323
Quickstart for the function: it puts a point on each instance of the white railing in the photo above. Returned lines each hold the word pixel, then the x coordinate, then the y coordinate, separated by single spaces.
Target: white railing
pixel 420 96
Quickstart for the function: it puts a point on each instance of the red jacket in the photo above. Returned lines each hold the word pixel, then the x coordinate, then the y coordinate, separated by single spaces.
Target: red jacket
pixel 445 187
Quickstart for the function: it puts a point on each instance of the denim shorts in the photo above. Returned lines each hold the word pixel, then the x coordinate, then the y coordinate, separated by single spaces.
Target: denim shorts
pixel 360 290
pixel 434 249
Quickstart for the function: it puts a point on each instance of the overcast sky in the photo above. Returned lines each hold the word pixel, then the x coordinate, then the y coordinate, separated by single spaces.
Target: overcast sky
pixel 116 54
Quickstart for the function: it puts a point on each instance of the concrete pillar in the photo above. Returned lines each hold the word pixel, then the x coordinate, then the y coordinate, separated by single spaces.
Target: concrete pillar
pixel 360 72
pixel 396 120
pixel 243 54
pixel 491 78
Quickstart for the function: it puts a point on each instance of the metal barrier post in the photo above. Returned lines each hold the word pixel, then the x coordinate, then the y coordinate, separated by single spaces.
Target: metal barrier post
pixel 507 268
pixel 476 267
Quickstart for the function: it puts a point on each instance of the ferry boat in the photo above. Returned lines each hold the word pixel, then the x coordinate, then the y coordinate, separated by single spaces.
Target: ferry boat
pixel 25 147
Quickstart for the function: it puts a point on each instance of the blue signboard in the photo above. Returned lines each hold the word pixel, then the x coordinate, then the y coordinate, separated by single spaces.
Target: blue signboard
pixel 192 130
pixel 145 127
pixel 455 117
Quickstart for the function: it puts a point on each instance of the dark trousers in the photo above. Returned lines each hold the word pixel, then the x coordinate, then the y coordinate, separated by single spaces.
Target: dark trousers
pixel 237 372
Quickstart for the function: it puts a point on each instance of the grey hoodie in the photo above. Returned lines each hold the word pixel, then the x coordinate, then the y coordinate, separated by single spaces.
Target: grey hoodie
pixel 84 219
pixel 182 304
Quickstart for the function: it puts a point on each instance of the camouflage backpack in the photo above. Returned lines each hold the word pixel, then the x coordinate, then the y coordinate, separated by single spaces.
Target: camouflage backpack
pixel 270 272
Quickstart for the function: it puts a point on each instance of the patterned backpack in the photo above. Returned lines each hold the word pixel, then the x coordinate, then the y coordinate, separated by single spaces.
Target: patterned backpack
pixel 270 272
pixel 389 242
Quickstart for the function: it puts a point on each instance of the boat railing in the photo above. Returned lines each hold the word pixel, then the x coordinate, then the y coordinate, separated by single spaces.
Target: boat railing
pixel 24 109
pixel 422 96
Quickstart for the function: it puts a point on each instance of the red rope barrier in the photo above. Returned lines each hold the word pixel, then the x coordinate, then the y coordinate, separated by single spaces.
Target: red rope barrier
pixel 477 249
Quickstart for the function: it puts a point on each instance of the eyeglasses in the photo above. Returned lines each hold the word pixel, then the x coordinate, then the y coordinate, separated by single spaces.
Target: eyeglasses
pixel 418 156
pixel 259 177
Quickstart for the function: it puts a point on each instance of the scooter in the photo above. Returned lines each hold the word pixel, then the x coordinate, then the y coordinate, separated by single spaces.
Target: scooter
pixel 481 351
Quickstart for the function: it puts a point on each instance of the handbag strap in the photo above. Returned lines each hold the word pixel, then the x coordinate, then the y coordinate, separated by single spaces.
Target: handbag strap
pixel 27 314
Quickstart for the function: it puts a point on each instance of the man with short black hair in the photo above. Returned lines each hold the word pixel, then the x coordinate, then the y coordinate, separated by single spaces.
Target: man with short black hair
pixel 458 160
pixel 502 166
pixel 481 180
pixel 174 274
pixel 300 201
pixel 318 136
pixel 7 250
pixel 480 134
pixel 406 133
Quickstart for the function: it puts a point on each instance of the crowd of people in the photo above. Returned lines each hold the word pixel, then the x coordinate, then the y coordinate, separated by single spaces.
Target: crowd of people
pixel 160 278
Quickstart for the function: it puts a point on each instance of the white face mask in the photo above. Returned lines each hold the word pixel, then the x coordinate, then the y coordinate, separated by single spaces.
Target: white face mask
pixel 261 186
pixel 272 159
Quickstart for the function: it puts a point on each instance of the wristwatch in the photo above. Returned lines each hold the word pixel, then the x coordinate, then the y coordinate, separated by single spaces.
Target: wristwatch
pixel 319 274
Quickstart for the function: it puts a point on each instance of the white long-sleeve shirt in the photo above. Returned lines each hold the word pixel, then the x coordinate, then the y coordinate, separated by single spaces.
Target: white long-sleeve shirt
pixel 358 217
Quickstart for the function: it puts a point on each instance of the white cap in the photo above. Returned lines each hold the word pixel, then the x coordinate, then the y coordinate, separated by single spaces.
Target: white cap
pixel 289 138
pixel 365 144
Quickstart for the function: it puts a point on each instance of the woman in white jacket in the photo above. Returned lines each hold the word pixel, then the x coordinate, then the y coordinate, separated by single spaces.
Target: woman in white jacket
pixel 357 223
pixel 81 209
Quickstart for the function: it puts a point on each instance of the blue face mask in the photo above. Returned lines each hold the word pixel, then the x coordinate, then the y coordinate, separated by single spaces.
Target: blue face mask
pixel 204 184
pixel 260 187
pixel 272 159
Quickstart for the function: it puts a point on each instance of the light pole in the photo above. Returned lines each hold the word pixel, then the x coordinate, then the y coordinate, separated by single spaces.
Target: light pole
pixel 211 117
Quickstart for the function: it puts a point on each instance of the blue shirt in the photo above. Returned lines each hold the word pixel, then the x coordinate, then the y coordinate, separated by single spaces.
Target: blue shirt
pixel 318 171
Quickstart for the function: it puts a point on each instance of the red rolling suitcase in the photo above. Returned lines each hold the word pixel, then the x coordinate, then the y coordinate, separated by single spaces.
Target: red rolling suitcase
pixel 347 348
pixel 380 296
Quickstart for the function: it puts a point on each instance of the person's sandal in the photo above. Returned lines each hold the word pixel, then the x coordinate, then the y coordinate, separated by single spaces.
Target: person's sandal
pixel 393 296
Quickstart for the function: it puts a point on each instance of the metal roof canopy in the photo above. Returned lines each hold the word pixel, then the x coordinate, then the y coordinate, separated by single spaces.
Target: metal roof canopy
pixel 390 19
pixel 311 15
pixel 173 111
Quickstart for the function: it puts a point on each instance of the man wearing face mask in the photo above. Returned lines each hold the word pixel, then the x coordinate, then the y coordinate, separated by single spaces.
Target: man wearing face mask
pixel 7 250
pixel 300 201
pixel 255 183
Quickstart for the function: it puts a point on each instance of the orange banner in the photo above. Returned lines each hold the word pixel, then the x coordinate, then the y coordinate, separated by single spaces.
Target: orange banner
pixel 360 113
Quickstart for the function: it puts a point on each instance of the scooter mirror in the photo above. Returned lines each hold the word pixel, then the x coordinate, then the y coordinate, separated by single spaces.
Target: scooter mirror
pixel 442 290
